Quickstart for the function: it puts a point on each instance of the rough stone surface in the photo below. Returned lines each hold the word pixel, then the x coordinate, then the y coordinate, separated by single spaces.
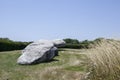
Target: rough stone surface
pixel 39 51
pixel 58 43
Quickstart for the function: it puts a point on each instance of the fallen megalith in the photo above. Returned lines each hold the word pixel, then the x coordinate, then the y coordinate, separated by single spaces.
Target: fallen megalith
pixel 40 51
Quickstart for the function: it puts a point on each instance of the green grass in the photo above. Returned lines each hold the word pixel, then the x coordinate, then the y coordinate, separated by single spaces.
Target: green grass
pixel 75 68
pixel 66 66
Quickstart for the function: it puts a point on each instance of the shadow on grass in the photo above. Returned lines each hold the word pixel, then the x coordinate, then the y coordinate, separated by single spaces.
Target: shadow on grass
pixel 50 61
pixel 37 62
pixel 61 49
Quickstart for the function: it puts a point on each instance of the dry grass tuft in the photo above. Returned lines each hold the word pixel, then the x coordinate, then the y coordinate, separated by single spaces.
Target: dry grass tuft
pixel 105 61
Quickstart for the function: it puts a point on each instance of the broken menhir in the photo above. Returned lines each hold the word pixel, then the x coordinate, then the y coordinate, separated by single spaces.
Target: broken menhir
pixel 40 51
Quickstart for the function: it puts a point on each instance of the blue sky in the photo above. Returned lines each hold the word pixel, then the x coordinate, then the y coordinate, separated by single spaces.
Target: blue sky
pixel 28 20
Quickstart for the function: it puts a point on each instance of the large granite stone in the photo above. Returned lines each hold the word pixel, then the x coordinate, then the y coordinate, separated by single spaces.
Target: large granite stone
pixel 39 51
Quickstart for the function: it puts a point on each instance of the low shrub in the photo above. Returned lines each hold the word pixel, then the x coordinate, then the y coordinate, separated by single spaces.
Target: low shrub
pixel 8 45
